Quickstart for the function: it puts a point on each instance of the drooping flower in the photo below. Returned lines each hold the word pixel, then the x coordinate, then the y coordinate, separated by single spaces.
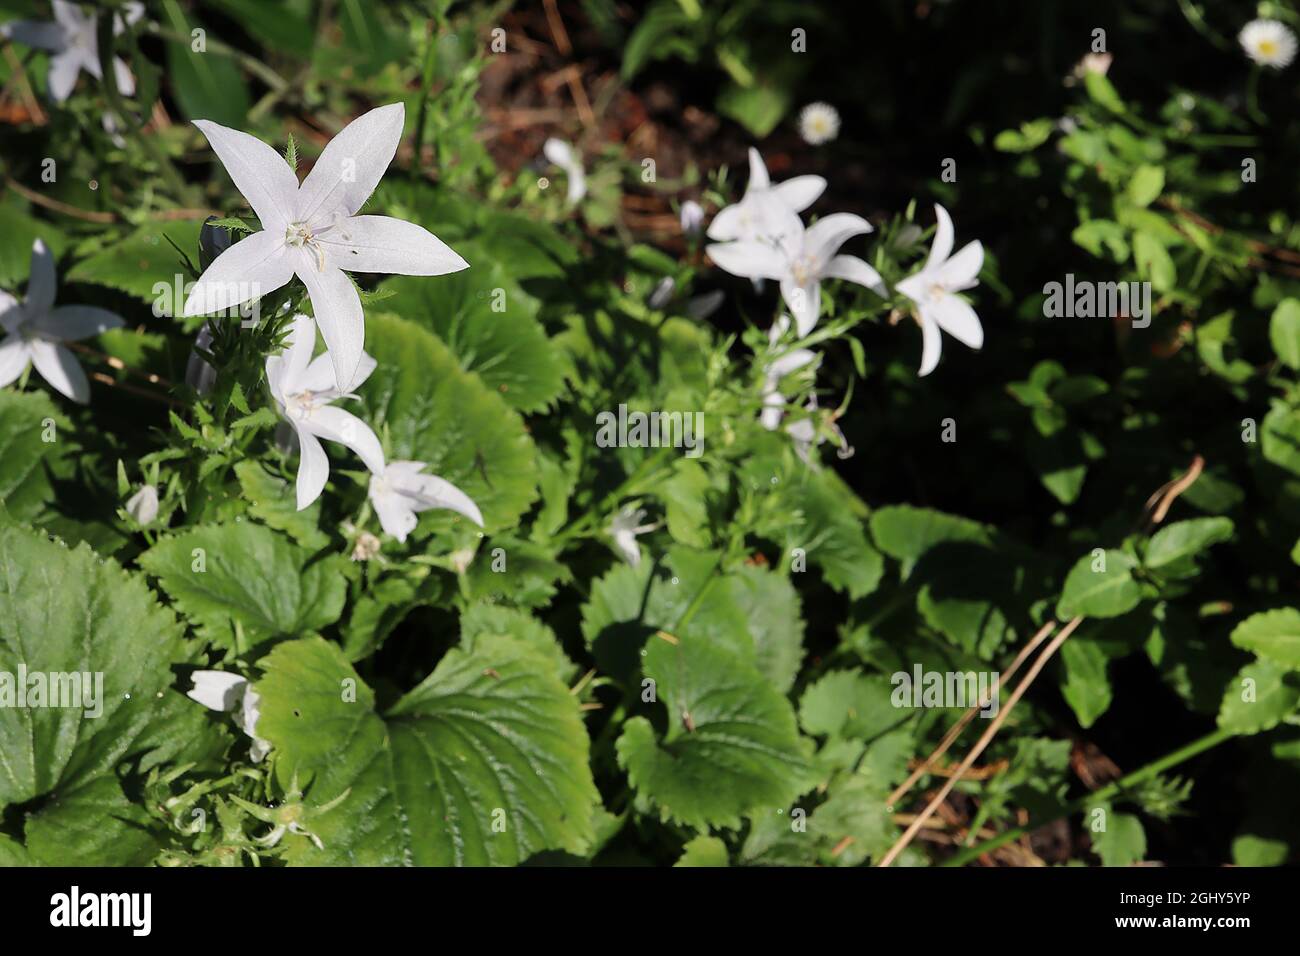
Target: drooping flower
pixel 624 528
pixel 934 289
pixel 1268 43
pixel 1098 63
pixel 219 690
pixel 819 123
pixel 312 231
pixel 304 387
pixel 71 37
pixel 399 492
pixel 764 212
pixel 800 260
pixel 143 505
pixel 563 155
pixel 36 328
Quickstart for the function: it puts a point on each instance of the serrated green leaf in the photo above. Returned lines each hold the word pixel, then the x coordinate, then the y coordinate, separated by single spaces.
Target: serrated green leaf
pixel 850 704
pixel 731 746
pixel 272 501
pixel 683 495
pixel 484 763
pixel 142 261
pixel 24 478
pixel 704 851
pixel 65 611
pixel 432 411
pixel 244 575
pixel 1273 635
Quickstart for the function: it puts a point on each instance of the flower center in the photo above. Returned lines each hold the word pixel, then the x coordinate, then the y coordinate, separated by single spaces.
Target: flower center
pixel 801 269
pixel 1268 47
pixel 300 405
pixel 299 235
pixel 937 291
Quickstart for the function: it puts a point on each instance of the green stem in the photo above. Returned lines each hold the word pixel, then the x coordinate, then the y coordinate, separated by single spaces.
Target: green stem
pixel 426 84
pixel 1252 97
pixel 1183 753
pixel 250 63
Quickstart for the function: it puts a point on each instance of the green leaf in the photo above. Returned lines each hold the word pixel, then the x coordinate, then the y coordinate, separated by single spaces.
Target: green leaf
pixel 1280 438
pixel 1153 262
pixel 1284 332
pixel 1147 184
pixel 731 747
pixel 758 108
pixel 494 620
pixel 828 525
pixel 1086 687
pixel 1259 698
pixel 205 85
pixel 244 577
pixel 1123 842
pixel 704 851
pixel 142 261
pixel 489 323
pixel 1103 92
pixel 906 533
pixel 1273 635
pixel 272 501
pixel 850 704
pixel 1108 591
pixel 68 612
pixel 24 480
pixel 432 411
pixel 683 494
pixel 490 737
pixel 1185 539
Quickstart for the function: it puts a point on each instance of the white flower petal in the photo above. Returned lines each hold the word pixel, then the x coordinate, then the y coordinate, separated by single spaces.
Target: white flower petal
pixel 749 258
pixel 217 690
pixel 286 372
pixel 758 178
pixel 259 173
pixel 143 505
pixel 386 245
pixel 337 306
pixel 804 303
pixel 336 424
pixel 931 344
pixel 955 316
pixel 395 514
pixel 70 16
pixel 430 491
pixel 313 467
pixel 824 237
pixel 125 81
pixel 61 369
pixel 558 152
pixel 943 235
pixel 625 544
pixel 350 166
pixel 790 362
pixel 43 281
pixel 726 225
pixel 12 313
pixel 800 192
pixel 14 358
pixel 71 323
pixel 853 269
pixel 773 409
pixel 961 270
pixel 319 377
pixel 255 266
pixel 914 286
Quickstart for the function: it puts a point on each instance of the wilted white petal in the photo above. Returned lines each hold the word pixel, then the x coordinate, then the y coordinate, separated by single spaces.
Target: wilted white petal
pixel 61 369
pixel 259 173
pixel 350 166
pixel 386 245
pixel 217 690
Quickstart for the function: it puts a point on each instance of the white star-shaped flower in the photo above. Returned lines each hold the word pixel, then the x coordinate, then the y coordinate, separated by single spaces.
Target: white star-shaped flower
pixel 399 492
pixel 35 328
pixel 800 260
pixel 71 38
pixel 312 231
pixel 934 289
pixel 304 387
pixel 763 212
pixel 624 528
pixel 1268 43
pixel 218 690
pixel 563 155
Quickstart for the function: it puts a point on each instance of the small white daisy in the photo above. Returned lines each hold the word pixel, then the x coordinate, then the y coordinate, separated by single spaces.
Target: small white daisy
pixel 819 123
pixel 1268 43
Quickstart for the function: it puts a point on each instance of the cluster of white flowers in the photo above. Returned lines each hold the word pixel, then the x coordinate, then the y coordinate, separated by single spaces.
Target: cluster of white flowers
pixel 762 237
pixel 313 231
